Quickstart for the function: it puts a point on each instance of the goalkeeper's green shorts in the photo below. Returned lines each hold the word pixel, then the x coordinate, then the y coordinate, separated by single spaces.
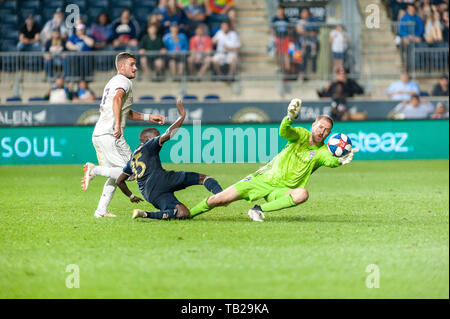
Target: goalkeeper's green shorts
pixel 252 188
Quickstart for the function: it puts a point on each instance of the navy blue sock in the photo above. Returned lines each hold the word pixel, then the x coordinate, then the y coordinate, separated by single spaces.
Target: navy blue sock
pixel 162 214
pixel 212 185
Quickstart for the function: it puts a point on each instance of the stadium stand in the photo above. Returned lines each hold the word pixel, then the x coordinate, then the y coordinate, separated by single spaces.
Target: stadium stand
pixel 301 61
pixel 211 97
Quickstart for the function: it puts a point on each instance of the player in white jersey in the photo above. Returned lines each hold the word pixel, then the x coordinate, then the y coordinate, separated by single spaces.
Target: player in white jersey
pixel 113 152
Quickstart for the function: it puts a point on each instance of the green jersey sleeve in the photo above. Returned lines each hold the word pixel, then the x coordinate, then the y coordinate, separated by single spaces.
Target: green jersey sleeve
pixel 327 159
pixel 292 134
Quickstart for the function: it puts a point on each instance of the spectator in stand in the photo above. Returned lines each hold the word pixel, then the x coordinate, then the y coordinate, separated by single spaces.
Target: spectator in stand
pixel 339 109
pixel 80 65
pixel 433 28
pixel 29 37
pixel 177 46
pixel 196 15
pixel 101 31
pixel 218 11
pixel 54 57
pixel 426 9
pixel 308 33
pixel 159 11
pixel 403 89
pixel 79 41
pixel 440 112
pixel 173 14
pixel 59 93
pixel 154 19
pixel 441 88
pixel 411 34
pixel 125 32
pixel 280 24
pixel 200 46
pixel 57 22
pixel 152 43
pixel 338 40
pixel 350 86
pixel 227 46
pixel 414 109
pixel 445 23
pixel 83 94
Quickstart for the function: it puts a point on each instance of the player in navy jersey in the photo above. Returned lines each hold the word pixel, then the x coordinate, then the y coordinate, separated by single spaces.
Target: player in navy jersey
pixel 157 185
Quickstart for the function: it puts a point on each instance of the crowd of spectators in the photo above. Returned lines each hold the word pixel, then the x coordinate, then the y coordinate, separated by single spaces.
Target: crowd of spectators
pixel 297 48
pixel 173 28
pixel 421 24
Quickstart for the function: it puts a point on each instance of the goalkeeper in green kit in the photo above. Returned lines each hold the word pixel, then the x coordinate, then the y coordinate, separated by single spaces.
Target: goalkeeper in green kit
pixel 281 182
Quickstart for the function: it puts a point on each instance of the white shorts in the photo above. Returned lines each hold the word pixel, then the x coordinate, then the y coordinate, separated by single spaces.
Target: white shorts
pixel 111 152
pixel 224 57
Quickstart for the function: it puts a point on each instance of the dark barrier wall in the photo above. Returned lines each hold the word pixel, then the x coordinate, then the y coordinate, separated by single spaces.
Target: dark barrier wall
pixel 214 112
pixel 377 140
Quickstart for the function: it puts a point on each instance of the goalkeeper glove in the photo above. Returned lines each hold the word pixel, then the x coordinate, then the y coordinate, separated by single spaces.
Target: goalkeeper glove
pixel 294 108
pixel 347 158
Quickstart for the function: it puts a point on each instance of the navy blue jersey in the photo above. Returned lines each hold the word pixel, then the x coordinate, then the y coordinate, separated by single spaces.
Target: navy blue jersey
pixel 145 164
pixel 155 183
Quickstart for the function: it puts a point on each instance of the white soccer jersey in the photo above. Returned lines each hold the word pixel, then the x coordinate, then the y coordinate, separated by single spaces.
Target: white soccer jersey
pixel 105 124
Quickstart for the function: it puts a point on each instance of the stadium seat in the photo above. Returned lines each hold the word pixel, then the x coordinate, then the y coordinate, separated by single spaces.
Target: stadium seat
pixel 14 99
pixel 211 97
pixel 8 45
pixel 11 35
pixel 145 3
pixel 168 98
pixel 54 4
pixel 99 4
pixel 11 5
pixel 121 4
pixel 192 98
pixel 47 14
pixel 30 4
pixel 80 3
pixel 146 98
pixel 424 93
pixel 98 99
pixel 141 15
pixel 93 13
pixel 10 19
pixel 36 99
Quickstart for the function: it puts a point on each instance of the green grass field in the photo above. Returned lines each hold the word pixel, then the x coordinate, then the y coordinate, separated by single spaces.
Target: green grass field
pixel 392 214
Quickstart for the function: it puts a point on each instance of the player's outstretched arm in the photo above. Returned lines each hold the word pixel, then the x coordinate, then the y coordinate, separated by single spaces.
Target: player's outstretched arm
pixel 286 129
pixel 136 116
pixel 124 188
pixel 176 125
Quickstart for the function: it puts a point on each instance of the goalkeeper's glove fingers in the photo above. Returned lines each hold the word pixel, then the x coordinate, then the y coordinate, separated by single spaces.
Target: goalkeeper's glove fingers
pixel 348 158
pixel 294 108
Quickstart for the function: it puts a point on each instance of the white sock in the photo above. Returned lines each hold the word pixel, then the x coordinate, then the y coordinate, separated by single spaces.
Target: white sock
pixel 111 172
pixel 107 195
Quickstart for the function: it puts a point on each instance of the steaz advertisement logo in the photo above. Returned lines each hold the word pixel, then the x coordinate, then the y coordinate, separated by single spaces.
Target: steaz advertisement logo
pixel 387 142
pixel 24 147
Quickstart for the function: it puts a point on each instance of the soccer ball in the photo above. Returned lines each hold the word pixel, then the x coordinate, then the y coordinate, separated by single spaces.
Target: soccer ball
pixel 339 144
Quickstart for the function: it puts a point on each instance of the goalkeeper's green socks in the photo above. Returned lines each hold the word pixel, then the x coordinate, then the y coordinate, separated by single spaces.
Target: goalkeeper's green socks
pixel 200 208
pixel 280 203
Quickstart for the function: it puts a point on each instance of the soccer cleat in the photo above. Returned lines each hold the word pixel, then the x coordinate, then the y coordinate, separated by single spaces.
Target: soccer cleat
pixel 88 175
pixel 107 214
pixel 256 213
pixel 138 213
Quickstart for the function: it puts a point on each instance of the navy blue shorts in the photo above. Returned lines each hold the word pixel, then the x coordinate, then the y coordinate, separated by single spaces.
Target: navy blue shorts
pixel 162 195
pixel 338 55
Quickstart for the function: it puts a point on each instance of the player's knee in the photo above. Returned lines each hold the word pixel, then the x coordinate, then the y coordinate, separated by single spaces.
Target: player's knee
pixel 299 195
